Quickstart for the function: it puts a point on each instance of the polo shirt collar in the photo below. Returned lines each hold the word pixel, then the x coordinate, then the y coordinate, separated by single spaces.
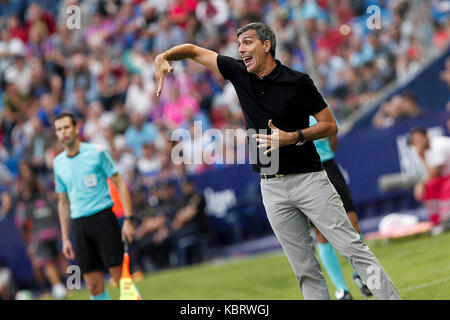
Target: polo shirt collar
pixel 275 72
pixel 78 152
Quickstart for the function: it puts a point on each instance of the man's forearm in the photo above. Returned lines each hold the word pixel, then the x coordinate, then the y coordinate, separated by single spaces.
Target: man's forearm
pixel 64 220
pixel 180 52
pixel 205 57
pixel 319 131
pixel 126 199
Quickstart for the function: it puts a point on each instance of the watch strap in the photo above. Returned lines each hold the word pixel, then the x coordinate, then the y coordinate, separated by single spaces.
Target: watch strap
pixel 301 138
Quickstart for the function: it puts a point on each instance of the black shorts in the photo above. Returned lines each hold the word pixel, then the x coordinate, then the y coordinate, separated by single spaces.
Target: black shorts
pixel 44 252
pixel 338 181
pixel 97 241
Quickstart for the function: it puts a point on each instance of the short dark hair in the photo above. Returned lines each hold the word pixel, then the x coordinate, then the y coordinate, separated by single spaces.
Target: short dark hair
pixel 421 130
pixel 263 32
pixel 414 130
pixel 64 115
pixel 410 96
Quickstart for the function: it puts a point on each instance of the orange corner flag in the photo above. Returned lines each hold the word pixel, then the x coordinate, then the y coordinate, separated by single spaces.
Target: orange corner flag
pixel 128 290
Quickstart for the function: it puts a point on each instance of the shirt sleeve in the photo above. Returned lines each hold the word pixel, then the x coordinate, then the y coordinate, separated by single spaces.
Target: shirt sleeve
pixel 311 97
pixel 107 163
pixel 60 187
pixel 228 66
pixel 437 155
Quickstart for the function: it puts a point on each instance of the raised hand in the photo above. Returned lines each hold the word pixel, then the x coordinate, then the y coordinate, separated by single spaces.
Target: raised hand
pixel 162 66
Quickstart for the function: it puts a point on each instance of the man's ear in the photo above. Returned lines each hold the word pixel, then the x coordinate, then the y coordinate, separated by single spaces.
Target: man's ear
pixel 267 45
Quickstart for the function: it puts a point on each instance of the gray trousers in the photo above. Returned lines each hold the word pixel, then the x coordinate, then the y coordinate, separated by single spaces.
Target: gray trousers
pixel 293 199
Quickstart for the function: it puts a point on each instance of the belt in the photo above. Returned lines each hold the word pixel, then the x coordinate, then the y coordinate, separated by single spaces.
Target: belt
pixel 271 176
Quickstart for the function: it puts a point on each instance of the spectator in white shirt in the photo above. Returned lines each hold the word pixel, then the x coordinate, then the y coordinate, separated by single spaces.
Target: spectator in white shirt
pixel 139 96
pixel 434 190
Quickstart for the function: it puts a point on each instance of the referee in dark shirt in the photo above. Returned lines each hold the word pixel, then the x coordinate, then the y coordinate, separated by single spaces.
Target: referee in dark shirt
pixel 277 102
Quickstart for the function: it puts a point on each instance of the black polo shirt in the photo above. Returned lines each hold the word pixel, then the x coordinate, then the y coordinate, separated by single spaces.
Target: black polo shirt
pixel 286 96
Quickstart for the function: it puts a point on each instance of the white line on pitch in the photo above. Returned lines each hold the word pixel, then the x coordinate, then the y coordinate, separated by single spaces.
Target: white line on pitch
pixel 424 285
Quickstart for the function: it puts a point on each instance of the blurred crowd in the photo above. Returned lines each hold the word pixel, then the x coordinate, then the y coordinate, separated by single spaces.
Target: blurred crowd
pixel 102 71
pixel 399 107
pixel 405 106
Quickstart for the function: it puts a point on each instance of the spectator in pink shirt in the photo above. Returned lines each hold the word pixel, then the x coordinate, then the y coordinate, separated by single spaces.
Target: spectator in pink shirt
pixel 99 31
pixel 175 111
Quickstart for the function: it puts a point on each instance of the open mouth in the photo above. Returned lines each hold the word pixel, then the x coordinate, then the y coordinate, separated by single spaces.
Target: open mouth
pixel 248 60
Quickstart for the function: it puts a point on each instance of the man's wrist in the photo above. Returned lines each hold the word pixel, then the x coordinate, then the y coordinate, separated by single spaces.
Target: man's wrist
pixel 293 137
pixel 300 138
pixel 162 56
pixel 129 218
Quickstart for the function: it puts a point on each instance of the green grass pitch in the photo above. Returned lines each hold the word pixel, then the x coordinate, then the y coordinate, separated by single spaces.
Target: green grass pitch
pixel 419 266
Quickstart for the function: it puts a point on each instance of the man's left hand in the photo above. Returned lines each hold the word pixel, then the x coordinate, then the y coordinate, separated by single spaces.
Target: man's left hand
pixel 277 139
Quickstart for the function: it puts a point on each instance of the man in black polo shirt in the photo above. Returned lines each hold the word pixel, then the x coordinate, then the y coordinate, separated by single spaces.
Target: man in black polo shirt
pixel 296 189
